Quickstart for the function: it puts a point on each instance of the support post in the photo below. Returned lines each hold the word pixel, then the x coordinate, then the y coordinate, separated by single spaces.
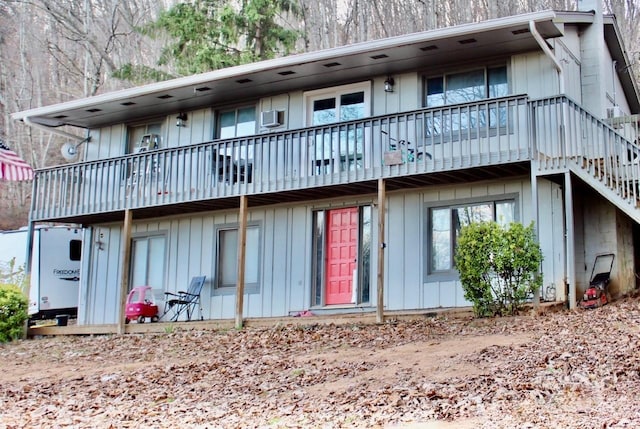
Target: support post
pixel 381 246
pixel 125 261
pixel 27 269
pixel 242 244
pixel 536 218
pixel 29 258
pixel 569 241
pixel 31 232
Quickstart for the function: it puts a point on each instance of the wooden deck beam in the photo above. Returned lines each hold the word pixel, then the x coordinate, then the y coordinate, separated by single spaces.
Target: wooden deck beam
pixel 124 263
pixel 381 246
pixel 242 244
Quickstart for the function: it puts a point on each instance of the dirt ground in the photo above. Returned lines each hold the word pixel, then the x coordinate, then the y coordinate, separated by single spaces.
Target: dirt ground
pixel 570 369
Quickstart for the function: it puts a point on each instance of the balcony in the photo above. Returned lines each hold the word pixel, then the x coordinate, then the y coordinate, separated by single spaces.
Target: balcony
pixel 414 148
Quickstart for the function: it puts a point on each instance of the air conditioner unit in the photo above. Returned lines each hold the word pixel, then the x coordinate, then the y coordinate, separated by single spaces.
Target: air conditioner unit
pixel 613 112
pixel 270 118
pixel 614 117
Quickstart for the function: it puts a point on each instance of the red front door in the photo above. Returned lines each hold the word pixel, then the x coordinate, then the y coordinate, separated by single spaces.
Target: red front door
pixel 342 240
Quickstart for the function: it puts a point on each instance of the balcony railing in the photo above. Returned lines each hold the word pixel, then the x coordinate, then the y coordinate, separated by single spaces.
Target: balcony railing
pixel 424 141
pixel 567 136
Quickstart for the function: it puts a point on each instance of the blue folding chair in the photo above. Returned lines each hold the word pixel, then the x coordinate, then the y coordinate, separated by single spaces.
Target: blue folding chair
pixel 184 302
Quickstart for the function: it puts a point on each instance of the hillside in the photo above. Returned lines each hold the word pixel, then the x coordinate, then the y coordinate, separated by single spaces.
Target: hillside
pixel 578 369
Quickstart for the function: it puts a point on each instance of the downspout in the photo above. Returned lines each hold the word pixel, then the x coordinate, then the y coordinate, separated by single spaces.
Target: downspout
pixel 545 48
pixel 570 273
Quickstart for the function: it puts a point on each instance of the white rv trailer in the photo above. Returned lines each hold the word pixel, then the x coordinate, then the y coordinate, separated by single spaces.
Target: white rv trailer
pixel 55 267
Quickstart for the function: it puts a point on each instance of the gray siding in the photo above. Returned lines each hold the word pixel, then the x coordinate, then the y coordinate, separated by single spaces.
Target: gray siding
pixel 106 142
pixel 533 74
pixel 112 141
pixel 285 254
pixel 551 235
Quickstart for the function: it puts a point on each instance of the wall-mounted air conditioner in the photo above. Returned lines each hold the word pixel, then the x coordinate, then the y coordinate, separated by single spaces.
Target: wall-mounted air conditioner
pixel 271 118
pixel 614 117
pixel 613 112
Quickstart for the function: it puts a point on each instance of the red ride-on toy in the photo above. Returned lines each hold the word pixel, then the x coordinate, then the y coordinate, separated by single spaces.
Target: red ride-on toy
pixel 596 294
pixel 140 305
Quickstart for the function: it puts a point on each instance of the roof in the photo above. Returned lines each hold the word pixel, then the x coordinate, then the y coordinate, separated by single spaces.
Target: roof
pixel 312 70
pixel 613 38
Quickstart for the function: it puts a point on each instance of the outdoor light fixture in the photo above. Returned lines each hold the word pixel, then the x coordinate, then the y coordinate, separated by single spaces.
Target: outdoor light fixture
pixel 69 150
pixel 388 84
pixel 181 120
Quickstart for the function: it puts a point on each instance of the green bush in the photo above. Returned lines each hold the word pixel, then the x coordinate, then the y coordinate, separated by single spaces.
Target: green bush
pixel 13 274
pixel 498 266
pixel 13 312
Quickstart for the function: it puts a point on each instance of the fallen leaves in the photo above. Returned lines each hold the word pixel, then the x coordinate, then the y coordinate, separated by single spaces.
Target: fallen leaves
pixel 566 369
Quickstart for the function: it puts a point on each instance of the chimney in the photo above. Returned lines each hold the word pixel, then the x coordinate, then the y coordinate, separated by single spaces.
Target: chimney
pixel 595 68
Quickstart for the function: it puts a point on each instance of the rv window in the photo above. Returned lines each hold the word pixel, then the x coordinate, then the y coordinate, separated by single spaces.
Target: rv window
pixel 75 250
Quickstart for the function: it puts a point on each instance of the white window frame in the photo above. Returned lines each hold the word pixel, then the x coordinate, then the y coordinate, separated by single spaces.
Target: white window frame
pixel 335 91
pixel 332 157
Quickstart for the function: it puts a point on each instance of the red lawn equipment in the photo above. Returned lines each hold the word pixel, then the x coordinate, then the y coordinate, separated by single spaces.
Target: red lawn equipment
pixel 596 294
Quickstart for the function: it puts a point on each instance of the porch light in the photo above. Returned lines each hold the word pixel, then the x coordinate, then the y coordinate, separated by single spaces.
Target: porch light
pixel 388 84
pixel 181 120
pixel 69 150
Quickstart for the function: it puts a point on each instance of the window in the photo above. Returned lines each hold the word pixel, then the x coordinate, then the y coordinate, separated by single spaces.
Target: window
pixel 148 261
pixel 466 87
pixel 338 104
pixel 227 259
pixel 237 122
pixel 445 224
pixel 137 138
pixel 75 250
pixel 338 107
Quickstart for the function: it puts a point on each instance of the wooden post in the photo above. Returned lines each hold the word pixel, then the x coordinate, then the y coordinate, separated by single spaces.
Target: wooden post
pixel 27 269
pixel 381 246
pixel 569 241
pixel 29 258
pixel 242 244
pixel 124 263
pixel 534 209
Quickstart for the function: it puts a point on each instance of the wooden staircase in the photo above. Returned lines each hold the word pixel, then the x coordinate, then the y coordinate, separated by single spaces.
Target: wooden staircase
pixel 604 154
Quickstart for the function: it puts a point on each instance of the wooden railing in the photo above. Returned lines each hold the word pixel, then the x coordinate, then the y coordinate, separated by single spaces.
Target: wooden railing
pixel 489 132
pixel 604 153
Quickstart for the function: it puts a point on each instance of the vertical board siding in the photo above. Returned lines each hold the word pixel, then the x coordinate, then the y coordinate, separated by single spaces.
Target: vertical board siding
pixel 281 266
pixel 300 242
pixel 285 254
pixel 85 274
pixel 551 233
pixel 533 74
pixel 103 286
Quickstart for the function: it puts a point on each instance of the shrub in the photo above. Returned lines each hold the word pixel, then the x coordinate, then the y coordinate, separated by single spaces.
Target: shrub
pixel 13 274
pixel 498 266
pixel 13 312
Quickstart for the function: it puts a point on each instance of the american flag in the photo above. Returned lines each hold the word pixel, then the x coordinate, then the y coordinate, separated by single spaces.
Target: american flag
pixel 12 167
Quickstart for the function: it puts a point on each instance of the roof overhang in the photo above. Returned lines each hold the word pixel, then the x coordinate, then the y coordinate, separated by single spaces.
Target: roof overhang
pixel 418 51
pixel 613 39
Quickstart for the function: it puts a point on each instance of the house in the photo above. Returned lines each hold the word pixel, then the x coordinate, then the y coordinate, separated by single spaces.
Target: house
pixel 337 180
